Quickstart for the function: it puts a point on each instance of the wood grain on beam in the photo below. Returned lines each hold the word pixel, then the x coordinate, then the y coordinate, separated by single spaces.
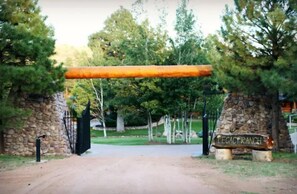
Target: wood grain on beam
pixel 138 71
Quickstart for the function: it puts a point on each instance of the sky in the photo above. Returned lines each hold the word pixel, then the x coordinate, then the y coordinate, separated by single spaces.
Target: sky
pixel 75 20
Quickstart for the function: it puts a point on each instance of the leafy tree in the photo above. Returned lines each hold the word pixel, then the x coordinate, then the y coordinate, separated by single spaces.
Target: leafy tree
pixel 125 42
pixel 81 93
pixel 118 27
pixel 257 51
pixel 188 41
pixel 92 89
pixel 26 44
pixel 180 95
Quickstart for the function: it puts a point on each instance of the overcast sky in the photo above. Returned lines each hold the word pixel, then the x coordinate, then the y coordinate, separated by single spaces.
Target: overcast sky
pixel 75 20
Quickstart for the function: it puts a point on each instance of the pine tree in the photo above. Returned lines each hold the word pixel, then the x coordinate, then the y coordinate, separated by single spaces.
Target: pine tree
pixel 26 44
pixel 257 51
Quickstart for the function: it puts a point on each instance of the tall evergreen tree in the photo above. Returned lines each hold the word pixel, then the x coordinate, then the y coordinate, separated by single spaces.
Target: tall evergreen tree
pixel 257 51
pixel 26 44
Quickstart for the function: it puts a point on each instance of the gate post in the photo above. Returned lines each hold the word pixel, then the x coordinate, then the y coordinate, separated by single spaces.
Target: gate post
pixel 205 134
pixel 38 143
pixel 205 149
pixel 37 149
pixel 78 137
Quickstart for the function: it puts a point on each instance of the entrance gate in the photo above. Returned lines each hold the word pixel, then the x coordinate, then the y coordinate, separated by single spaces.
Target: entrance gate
pixel 83 125
pixel 78 130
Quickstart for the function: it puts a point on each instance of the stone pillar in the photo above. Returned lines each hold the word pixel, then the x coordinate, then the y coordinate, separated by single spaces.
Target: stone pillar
pixel 243 114
pixel 46 119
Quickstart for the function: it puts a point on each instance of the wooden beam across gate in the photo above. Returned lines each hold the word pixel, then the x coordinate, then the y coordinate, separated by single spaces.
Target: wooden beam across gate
pixel 138 71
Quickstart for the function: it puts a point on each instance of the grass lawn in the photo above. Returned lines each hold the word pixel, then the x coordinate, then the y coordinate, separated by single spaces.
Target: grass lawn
pixel 9 162
pixel 138 136
pixel 114 133
pixel 143 140
pixel 292 130
pixel 283 164
pixel 196 126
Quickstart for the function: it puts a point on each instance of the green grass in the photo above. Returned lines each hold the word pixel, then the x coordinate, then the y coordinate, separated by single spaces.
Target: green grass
pixel 138 136
pixel 284 164
pixel 113 133
pixel 196 126
pixel 121 140
pixel 9 162
pixel 128 140
pixel 292 130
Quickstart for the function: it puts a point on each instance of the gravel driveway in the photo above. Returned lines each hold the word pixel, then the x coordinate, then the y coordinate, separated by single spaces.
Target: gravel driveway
pixel 156 169
pixel 98 150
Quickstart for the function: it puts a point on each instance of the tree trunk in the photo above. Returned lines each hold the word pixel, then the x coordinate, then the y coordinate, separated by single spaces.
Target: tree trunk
pixel 190 128
pixel 167 129
pixel 102 109
pixel 275 120
pixel 184 125
pixel 174 130
pixel 150 129
pixel 100 104
pixel 1 142
pixel 191 121
pixel 120 123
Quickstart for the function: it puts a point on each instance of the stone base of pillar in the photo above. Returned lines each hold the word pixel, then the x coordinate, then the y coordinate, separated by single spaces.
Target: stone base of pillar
pixel 263 156
pixel 223 154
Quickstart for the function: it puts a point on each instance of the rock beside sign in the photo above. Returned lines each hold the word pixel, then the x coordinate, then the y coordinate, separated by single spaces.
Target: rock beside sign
pixel 262 156
pixel 223 154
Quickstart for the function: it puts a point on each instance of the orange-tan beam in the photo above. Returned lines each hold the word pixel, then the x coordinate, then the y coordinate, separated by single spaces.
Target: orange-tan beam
pixel 138 71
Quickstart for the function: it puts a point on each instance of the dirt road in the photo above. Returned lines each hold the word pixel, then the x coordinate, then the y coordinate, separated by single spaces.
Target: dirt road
pixel 133 174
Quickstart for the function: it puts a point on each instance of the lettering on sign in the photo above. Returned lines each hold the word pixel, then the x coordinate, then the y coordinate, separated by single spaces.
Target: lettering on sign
pixel 253 141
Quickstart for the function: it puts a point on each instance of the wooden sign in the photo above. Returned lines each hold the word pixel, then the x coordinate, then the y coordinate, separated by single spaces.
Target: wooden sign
pixel 138 71
pixel 251 141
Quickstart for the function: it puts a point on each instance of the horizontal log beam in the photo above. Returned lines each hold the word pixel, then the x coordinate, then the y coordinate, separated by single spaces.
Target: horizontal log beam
pixel 138 71
pixel 250 141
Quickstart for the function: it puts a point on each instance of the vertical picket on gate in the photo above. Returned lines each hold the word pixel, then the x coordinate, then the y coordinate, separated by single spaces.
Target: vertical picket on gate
pixel 70 123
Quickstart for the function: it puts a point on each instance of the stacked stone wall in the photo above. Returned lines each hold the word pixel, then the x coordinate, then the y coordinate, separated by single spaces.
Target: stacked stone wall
pixel 251 114
pixel 46 118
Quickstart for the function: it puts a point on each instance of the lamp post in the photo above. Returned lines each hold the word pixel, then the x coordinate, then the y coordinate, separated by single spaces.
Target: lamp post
pixel 38 142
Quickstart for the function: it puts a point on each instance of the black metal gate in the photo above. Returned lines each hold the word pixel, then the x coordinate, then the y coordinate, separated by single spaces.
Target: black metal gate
pixel 70 123
pixel 78 130
pixel 209 121
pixel 83 142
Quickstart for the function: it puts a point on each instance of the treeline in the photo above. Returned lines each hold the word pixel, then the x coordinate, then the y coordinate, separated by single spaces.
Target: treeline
pixel 254 53
pixel 125 41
